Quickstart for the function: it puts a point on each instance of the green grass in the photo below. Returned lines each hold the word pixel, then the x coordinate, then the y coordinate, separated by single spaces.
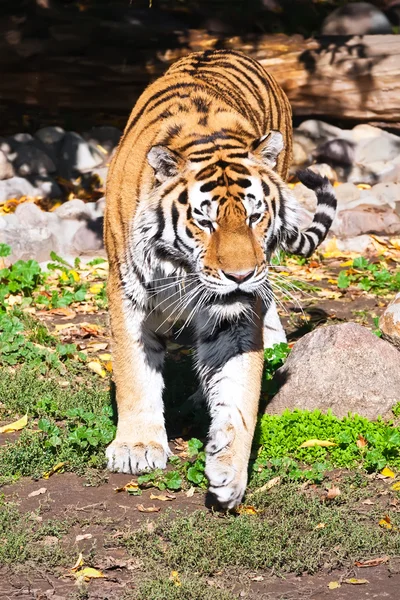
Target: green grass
pixel 191 587
pixel 22 538
pixel 283 536
pixel 375 278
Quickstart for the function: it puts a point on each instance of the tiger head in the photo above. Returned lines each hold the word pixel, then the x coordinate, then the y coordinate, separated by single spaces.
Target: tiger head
pixel 223 215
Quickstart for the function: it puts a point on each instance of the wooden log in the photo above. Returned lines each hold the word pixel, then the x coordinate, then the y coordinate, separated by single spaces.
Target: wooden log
pixel 356 78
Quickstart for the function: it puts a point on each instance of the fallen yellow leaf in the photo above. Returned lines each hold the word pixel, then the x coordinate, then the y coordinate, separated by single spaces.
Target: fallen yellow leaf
pixel 79 563
pixel 148 509
pixel 96 368
pixel 88 573
pixel 246 510
pixel 131 485
pixel 16 426
pixel 174 577
pixel 105 357
pixel 354 581
pixel 385 523
pixel 166 498
pixel 332 281
pixel 54 469
pixel 333 585
pixel 396 486
pixel 386 472
pixel 321 443
pixel 347 263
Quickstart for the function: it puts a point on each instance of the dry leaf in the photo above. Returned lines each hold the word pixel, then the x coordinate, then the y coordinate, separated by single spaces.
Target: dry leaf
pixel 174 577
pixel 131 485
pixel 105 357
pixel 320 526
pixel 354 581
pixel 267 486
pixel 37 492
pixel 84 536
pixel 88 573
pixel 246 510
pixel 386 472
pixel 15 426
pixel 373 562
pixel 148 509
pixel 361 442
pixel 54 469
pixel 65 312
pixel 312 443
pixel 97 346
pixel 78 564
pixel 386 523
pixel 164 498
pixel 333 492
pixel 333 585
pixel 96 368
pixel 190 492
pixel 396 486
pixel 91 328
pixel 368 501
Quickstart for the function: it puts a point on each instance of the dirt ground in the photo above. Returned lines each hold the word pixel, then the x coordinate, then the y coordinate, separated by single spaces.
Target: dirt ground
pixel 103 513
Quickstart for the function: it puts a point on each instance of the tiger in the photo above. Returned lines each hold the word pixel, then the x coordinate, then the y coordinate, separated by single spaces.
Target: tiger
pixel 196 206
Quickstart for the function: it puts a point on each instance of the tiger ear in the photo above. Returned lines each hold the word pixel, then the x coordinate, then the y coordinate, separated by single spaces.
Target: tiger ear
pixel 268 147
pixel 164 161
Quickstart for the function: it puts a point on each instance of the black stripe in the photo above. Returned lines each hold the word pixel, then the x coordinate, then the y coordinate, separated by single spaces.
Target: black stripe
pixel 175 217
pixel 183 197
pixel 323 218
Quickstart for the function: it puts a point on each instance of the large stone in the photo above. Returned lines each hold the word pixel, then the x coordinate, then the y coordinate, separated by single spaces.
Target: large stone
pixel 358 18
pixel 345 368
pixel 105 136
pixel 366 219
pixel 6 168
pixel 77 156
pixel 389 322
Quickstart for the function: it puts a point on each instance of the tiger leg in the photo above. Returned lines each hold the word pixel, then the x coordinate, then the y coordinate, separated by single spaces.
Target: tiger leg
pixel 230 363
pixel 141 440
pixel 273 331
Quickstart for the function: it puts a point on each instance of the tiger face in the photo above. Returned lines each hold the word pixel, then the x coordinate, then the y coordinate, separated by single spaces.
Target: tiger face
pixel 224 215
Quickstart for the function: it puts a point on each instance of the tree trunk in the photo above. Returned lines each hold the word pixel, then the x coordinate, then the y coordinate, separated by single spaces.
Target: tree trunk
pixel 55 59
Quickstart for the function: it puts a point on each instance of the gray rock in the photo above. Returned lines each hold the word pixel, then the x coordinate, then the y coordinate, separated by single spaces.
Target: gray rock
pixel 366 219
pixel 382 148
pixel 31 160
pixel 76 156
pixel 337 152
pixel 389 323
pixel 106 136
pixel 21 138
pixel 319 131
pixel 345 368
pixel 74 210
pixel 50 135
pixel 6 168
pixel 15 187
pixel 358 18
pixel 89 237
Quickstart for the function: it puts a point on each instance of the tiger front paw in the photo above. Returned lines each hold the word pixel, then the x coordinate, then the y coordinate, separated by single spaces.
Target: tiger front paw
pixel 136 457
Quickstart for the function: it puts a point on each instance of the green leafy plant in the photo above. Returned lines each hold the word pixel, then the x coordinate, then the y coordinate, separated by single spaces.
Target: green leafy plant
pixel 370 277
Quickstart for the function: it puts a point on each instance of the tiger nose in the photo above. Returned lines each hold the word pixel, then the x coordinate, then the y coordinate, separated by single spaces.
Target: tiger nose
pixel 239 276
